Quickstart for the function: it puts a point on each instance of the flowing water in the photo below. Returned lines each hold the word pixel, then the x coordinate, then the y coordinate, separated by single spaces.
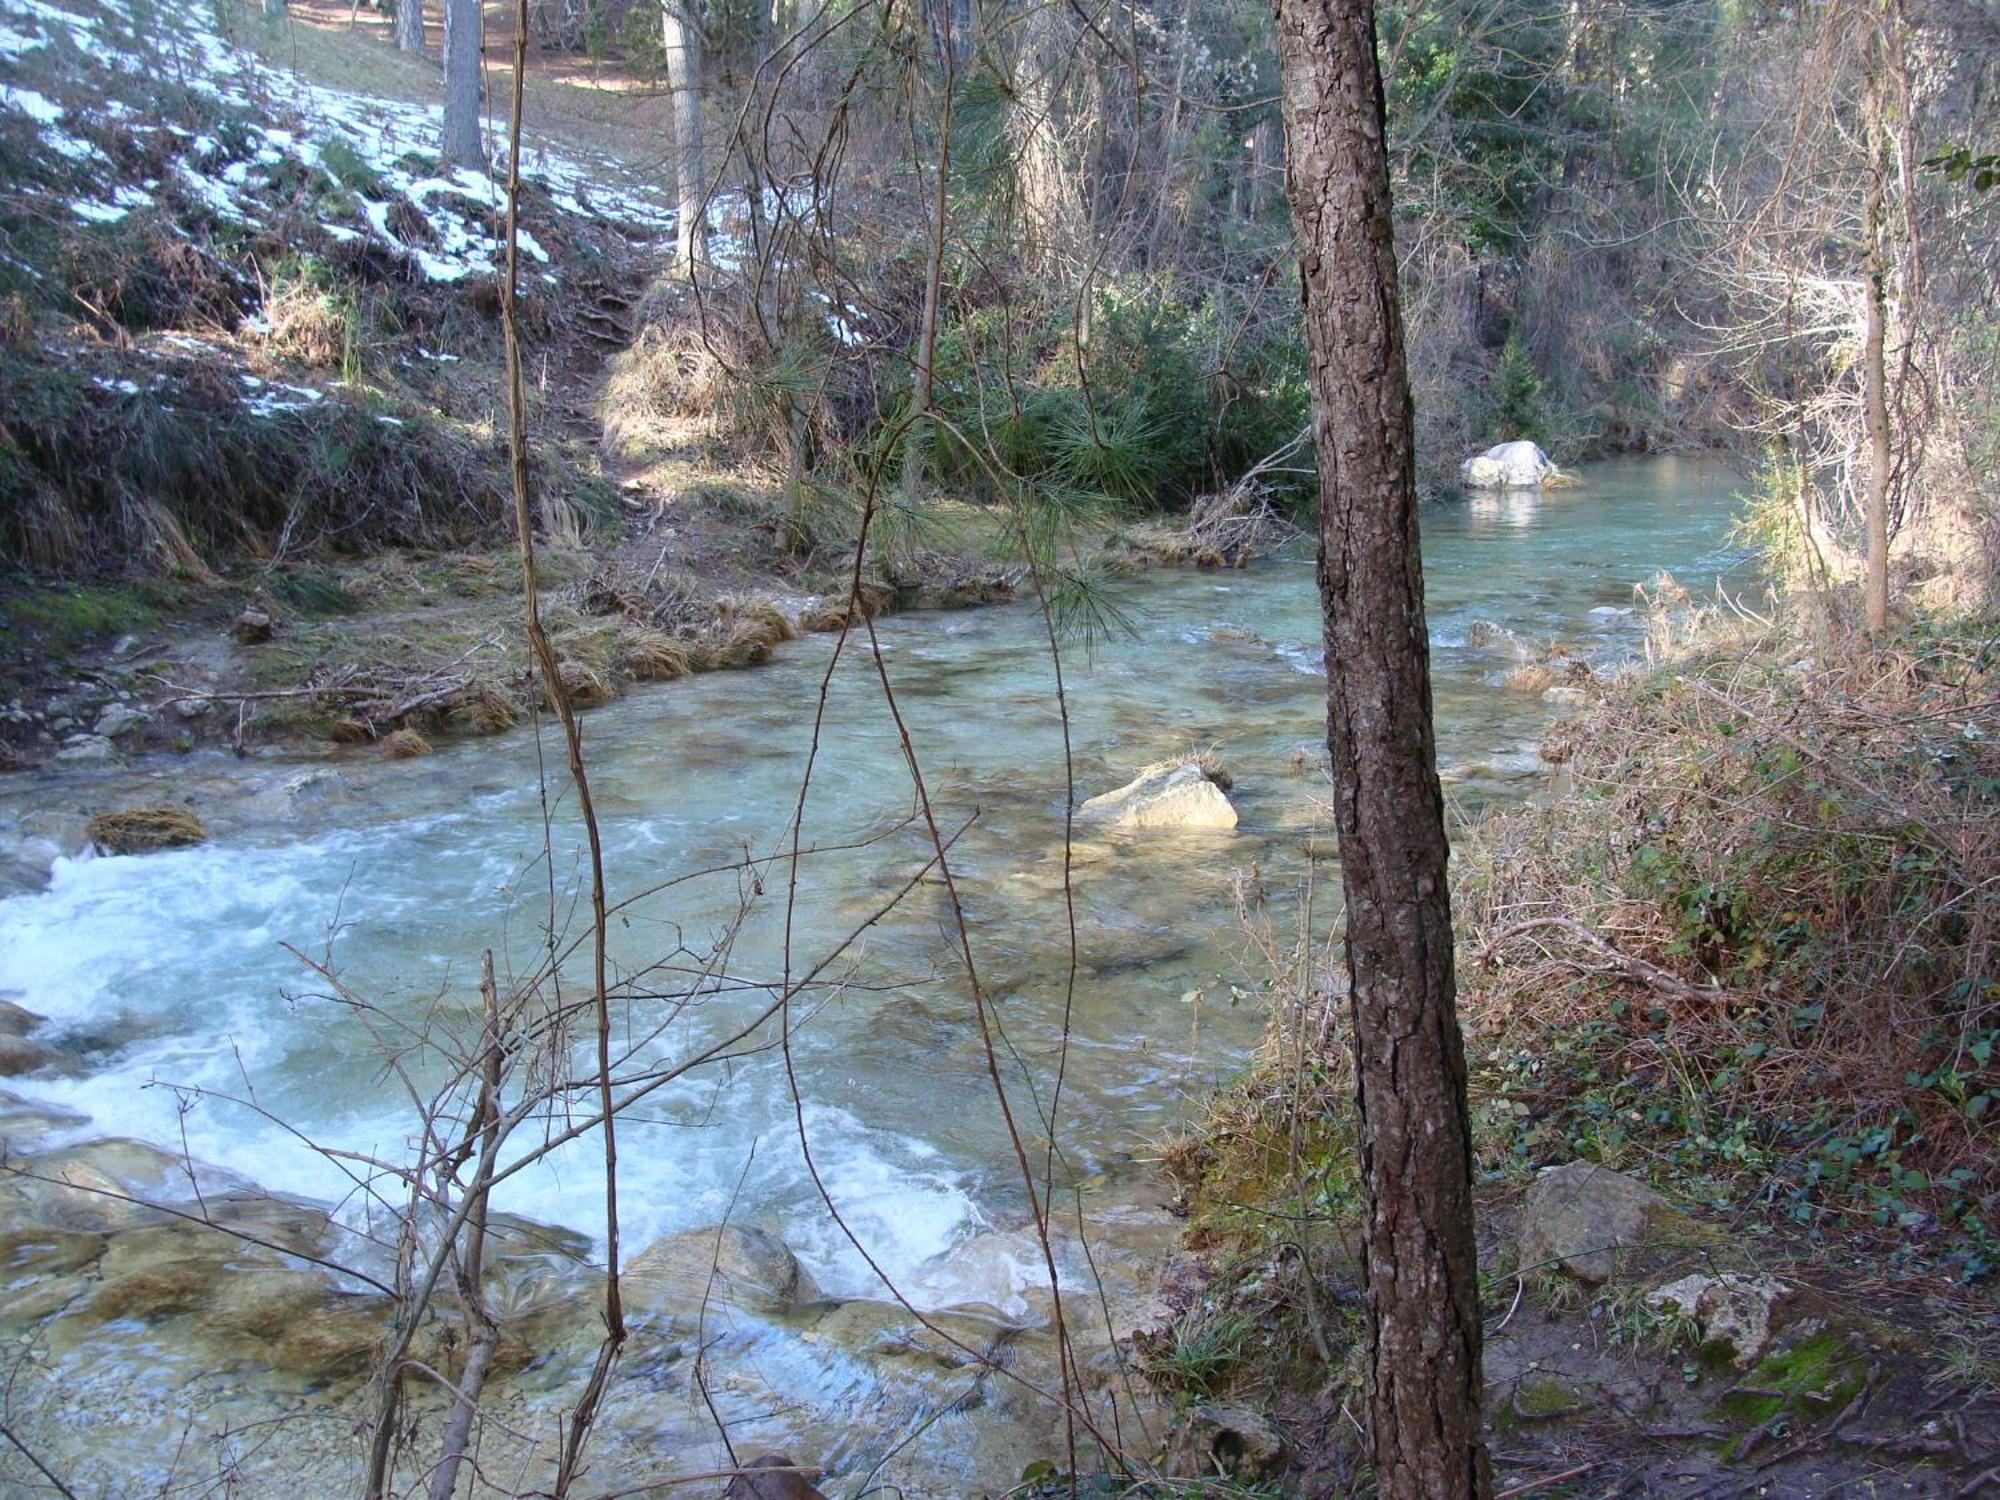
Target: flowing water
pixel 176 969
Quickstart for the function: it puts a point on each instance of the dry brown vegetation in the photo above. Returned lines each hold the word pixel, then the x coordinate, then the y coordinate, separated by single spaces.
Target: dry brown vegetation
pixel 142 830
pixel 1753 949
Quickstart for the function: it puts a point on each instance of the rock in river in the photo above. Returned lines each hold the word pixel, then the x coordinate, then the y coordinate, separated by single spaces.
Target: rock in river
pixel 1172 794
pixel 1507 466
pixel 722 1265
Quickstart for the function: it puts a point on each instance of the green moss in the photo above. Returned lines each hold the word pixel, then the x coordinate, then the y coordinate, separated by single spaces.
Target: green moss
pixel 56 619
pixel 1813 1378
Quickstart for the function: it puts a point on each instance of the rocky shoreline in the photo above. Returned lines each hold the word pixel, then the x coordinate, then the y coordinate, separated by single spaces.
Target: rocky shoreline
pixel 163 1320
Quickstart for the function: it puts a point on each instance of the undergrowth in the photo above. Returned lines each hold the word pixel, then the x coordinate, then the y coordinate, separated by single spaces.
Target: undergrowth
pixel 1752 953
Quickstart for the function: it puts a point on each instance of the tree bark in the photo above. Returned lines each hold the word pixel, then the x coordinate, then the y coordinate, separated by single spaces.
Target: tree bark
pixel 1419 1263
pixel 462 25
pixel 682 37
pixel 410 26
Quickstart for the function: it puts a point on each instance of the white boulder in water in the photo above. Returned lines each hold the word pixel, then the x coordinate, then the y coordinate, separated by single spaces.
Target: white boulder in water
pixel 1508 466
pixel 1172 794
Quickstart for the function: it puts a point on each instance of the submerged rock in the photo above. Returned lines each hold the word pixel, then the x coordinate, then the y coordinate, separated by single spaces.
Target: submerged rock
pixel 945 1338
pixel 24 1121
pixel 40 1267
pixel 722 1265
pixel 1578 1216
pixel 297 1321
pixel 1173 794
pixel 88 748
pixel 21 1054
pixel 1507 466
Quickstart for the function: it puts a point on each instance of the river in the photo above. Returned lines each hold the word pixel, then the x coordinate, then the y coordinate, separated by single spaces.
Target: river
pixel 171 976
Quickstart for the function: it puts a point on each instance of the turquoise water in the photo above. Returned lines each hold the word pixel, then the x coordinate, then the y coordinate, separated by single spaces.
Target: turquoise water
pixel 173 969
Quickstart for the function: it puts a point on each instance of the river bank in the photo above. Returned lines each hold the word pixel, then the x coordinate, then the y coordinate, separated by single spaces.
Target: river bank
pixel 1728 1019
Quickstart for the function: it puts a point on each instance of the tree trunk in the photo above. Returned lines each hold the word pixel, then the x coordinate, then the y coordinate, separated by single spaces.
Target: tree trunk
pixel 917 437
pixel 1419 1265
pixel 683 46
pixel 1047 179
pixel 462 23
pixel 410 26
pixel 1874 357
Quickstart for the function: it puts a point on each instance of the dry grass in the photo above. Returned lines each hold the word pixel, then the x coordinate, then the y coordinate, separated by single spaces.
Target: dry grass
pixel 760 619
pixel 482 707
pixel 649 655
pixel 308 325
pixel 405 744
pixel 1759 941
pixel 1531 677
pixel 675 387
pixel 823 617
pixel 745 645
pixel 141 830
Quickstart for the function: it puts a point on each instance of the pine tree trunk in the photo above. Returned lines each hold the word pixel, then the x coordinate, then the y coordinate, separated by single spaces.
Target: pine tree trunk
pixel 1420 1269
pixel 462 23
pixel 410 26
pixel 683 48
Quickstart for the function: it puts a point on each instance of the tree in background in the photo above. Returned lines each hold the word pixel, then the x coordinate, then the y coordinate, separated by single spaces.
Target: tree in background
pixel 410 25
pixel 681 39
pixel 1420 1268
pixel 463 30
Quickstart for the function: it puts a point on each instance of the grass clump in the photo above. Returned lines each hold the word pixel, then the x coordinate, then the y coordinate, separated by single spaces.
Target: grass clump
pixel 1755 949
pixel 405 744
pixel 143 830
pixel 482 706
pixel 649 655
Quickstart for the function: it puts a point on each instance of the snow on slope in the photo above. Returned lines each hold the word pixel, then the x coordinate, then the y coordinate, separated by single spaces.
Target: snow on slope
pixel 102 58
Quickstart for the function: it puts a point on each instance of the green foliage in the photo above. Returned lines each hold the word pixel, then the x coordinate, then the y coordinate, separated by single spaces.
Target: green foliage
pixel 1135 415
pixel 1980 170
pixel 1773 520
pixel 1514 398
pixel 1488 87
pixel 1201 1350
pixel 350 168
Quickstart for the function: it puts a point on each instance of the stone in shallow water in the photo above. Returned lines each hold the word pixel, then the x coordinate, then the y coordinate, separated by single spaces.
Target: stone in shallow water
pixel 38 1269
pixel 1174 794
pixel 782 1479
pixel 20 1054
pixel 297 1321
pixel 1507 466
pixel 721 1266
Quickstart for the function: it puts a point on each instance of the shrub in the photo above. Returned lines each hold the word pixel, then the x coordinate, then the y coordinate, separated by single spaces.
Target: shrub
pixel 1759 945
